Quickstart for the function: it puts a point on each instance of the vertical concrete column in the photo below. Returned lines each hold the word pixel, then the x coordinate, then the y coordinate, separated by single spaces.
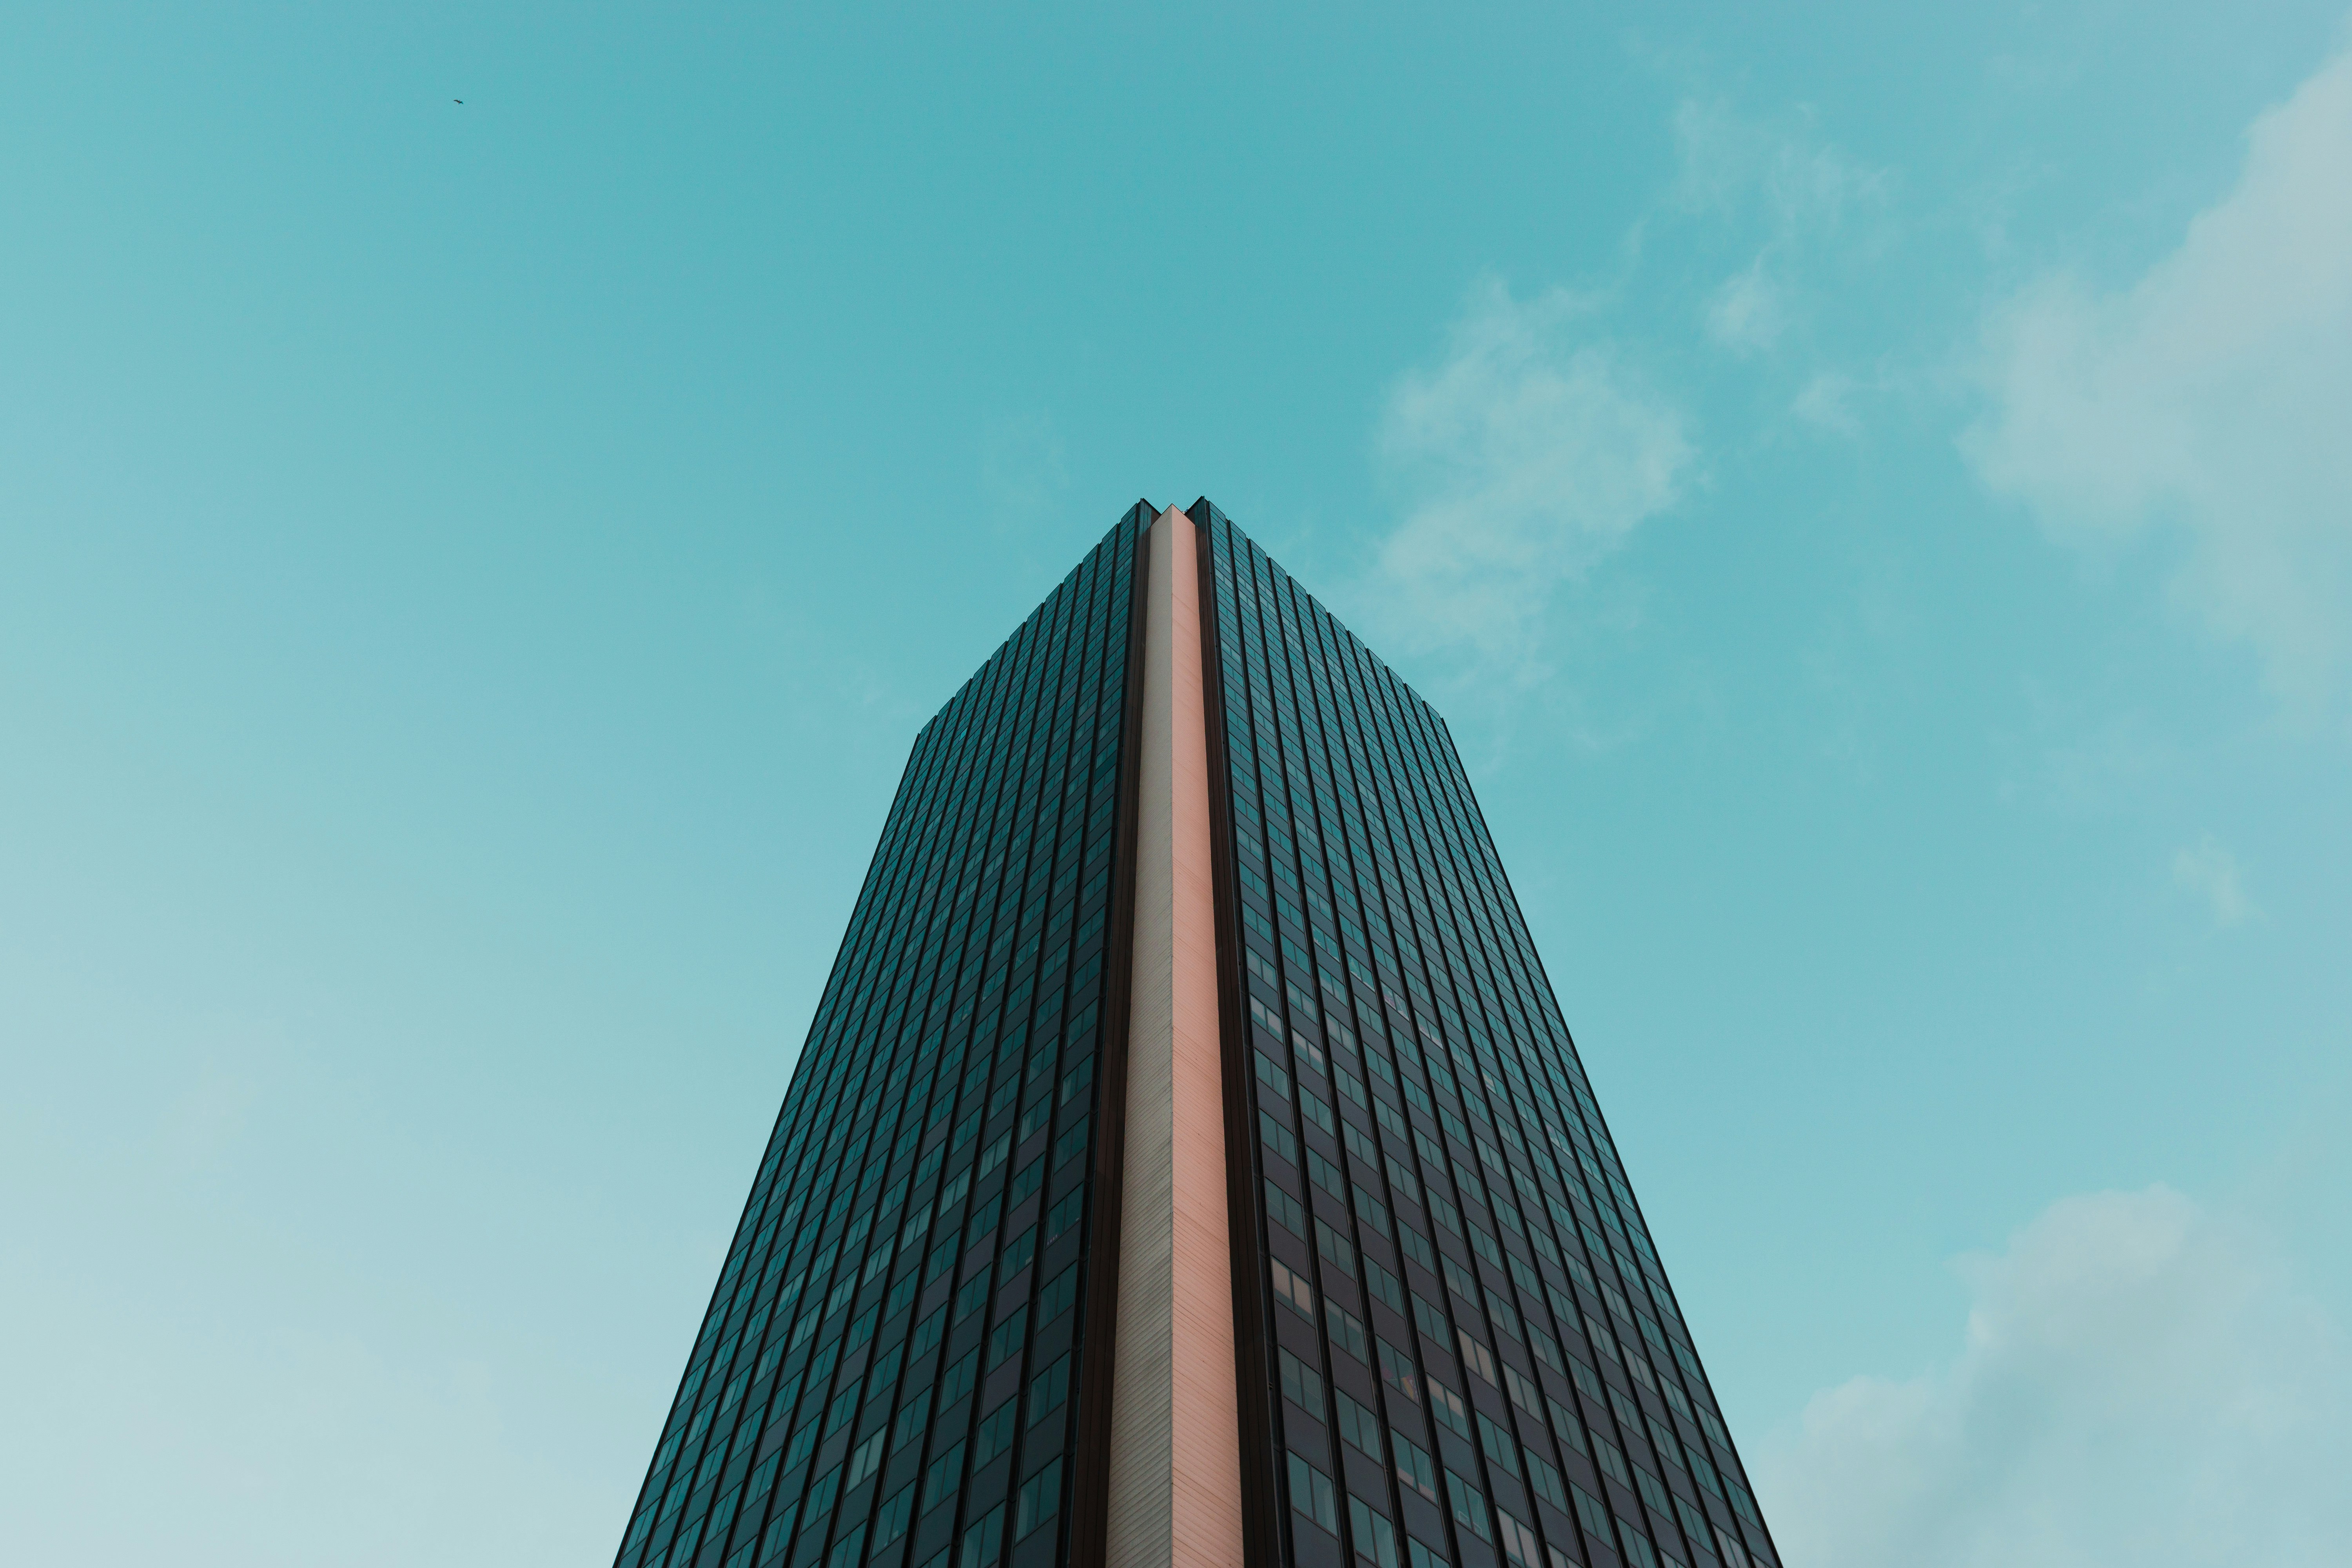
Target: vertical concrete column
pixel 1175 1463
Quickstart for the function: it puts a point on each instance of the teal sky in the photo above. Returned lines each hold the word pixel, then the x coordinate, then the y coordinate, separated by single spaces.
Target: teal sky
pixel 1871 490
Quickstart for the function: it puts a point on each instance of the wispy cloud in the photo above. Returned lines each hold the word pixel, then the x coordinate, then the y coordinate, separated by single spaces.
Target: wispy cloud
pixel 1727 161
pixel 2212 398
pixel 1526 454
pixel 2210 871
pixel 1826 402
pixel 1533 448
pixel 1781 179
pixel 1749 309
pixel 2140 1381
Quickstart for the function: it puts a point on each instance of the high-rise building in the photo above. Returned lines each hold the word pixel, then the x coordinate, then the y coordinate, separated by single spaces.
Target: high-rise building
pixel 1189 1162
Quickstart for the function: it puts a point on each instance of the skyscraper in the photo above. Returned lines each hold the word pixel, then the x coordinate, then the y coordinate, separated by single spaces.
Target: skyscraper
pixel 1189 1162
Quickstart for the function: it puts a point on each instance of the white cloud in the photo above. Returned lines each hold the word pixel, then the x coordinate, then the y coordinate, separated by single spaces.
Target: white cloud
pixel 2140 1383
pixel 2212 398
pixel 1747 311
pixel 1803 180
pixel 1826 402
pixel 2207 868
pixel 1783 178
pixel 1525 456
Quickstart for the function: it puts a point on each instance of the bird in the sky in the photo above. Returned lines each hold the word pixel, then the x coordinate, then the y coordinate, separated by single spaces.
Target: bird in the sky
pixel 456 101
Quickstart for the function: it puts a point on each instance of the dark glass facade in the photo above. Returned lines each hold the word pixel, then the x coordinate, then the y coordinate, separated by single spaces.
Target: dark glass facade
pixel 889 1369
pixel 1471 1351
pixel 1454 1341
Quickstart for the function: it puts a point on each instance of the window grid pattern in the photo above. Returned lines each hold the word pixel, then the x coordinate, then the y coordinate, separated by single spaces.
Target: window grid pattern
pixel 1476 1356
pixel 888 1372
